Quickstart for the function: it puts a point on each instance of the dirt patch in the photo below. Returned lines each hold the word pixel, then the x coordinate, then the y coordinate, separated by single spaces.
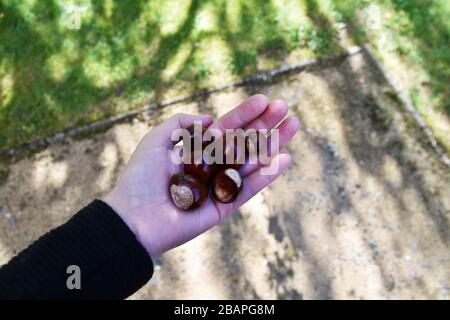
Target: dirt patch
pixel 363 212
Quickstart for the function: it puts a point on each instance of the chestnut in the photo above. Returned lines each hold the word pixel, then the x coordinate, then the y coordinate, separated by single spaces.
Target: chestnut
pixel 187 191
pixel 193 135
pixel 201 170
pixel 235 151
pixel 251 145
pixel 238 157
pixel 227 185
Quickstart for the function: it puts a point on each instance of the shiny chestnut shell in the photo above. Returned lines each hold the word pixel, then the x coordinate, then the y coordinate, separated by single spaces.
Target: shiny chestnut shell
pixel 227 185
pixel 239 153
pixel 201 170
pixel 194 136
pixel 251 146
pixel 187 191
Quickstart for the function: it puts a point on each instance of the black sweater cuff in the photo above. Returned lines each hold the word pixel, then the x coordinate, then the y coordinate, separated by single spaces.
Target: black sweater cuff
pixel 112 263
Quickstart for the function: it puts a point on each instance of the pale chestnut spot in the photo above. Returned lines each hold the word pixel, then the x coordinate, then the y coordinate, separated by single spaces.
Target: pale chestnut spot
pixel 182 196
pixel 187 191
pixel 235 176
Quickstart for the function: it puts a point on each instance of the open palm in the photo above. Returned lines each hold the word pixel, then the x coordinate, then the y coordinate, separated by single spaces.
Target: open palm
pixel 141 195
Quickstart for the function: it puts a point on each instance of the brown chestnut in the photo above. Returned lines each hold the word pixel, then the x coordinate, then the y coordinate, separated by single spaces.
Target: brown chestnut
pixel 234 153
pixel 187 191
pixel 227 185
pixel 201 170
pixel 194 135
pixel 238 158
pixel 251 145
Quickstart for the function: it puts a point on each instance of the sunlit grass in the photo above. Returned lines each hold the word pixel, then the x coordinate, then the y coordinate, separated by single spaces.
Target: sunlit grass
pixel 412 39
pixel 53 77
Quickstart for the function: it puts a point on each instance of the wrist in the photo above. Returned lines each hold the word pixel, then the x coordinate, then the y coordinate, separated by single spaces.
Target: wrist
pixel 132 213
pixel 126 210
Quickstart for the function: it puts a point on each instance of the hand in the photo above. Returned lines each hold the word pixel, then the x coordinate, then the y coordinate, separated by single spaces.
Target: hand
pixel 141 196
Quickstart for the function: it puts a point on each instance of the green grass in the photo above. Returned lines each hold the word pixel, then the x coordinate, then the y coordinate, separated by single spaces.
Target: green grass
pixel 420 33
pixel 128 52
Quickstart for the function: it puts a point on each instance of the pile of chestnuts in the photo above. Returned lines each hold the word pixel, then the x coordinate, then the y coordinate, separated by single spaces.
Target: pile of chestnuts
pixel 190 189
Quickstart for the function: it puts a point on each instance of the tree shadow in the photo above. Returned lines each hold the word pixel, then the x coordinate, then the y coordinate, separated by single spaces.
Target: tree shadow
pixel 428 30
pixel 239 286
pixel 282 270
pixel 326 33
pixel 433 36
pixel 253 36
pixel 41 104
pixel 58 74
pixel 367 107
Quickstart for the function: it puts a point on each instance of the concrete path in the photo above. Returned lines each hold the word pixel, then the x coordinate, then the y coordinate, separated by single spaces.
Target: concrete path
pixel 363 212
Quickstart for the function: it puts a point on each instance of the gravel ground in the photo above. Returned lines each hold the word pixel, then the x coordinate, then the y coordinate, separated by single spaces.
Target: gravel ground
pixel 363 212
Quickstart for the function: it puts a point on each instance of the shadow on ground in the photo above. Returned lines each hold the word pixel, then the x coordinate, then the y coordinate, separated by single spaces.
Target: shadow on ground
pixel 363 212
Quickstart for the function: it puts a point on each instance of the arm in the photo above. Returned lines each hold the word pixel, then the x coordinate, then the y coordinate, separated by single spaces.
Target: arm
pixel 111 261
pixel 114 240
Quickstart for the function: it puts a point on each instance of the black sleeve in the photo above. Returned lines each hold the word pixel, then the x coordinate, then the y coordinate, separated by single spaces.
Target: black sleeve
pixel 112 263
